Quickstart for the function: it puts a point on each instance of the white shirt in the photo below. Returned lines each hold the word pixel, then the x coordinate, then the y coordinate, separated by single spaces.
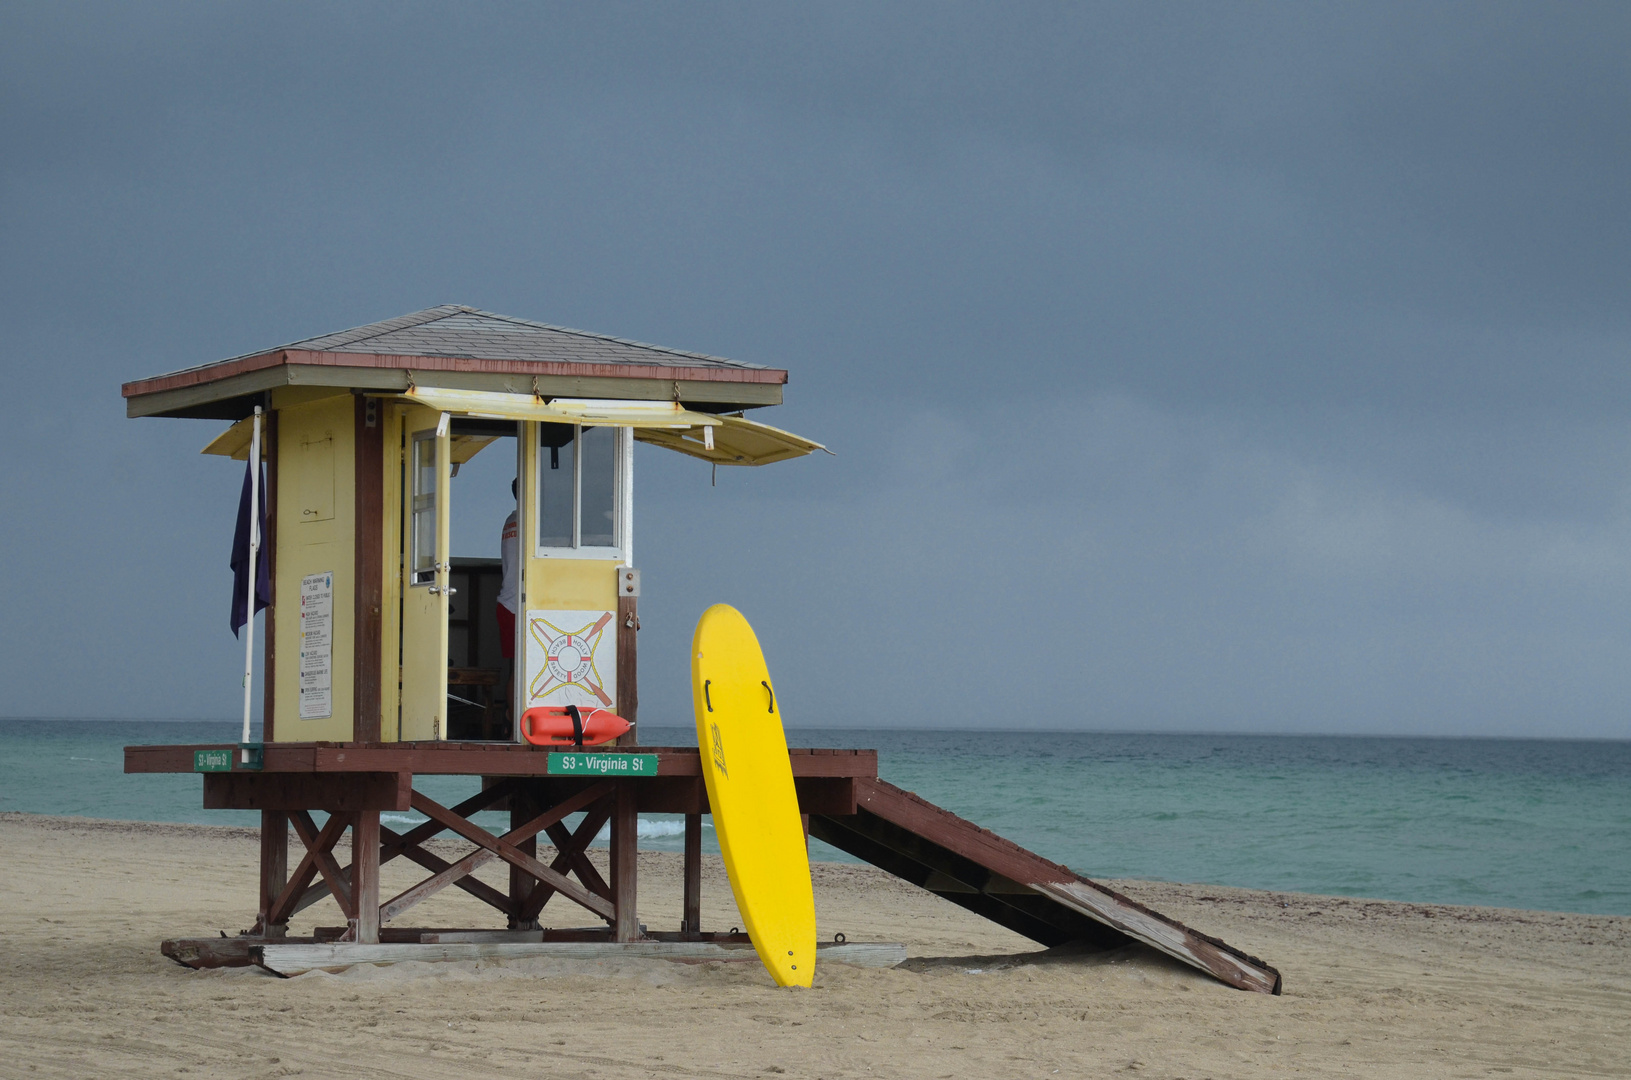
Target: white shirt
pixel 509 552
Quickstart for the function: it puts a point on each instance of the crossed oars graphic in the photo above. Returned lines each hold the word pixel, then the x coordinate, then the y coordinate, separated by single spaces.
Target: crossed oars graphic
pixel 585 642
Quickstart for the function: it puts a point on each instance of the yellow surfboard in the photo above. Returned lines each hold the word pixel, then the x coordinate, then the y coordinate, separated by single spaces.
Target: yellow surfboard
pixel 750 790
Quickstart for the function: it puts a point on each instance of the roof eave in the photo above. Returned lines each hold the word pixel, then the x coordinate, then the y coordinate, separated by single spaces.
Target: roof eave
pixel 216 389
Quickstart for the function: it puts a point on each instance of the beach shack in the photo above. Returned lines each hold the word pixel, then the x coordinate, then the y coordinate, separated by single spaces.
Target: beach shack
pixel 375 632
pixel 385 657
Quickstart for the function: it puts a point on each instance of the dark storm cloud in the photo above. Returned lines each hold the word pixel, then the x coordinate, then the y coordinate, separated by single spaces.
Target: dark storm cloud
pixel 1236 358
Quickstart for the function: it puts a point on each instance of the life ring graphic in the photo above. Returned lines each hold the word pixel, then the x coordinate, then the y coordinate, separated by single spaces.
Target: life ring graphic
pixel 569 659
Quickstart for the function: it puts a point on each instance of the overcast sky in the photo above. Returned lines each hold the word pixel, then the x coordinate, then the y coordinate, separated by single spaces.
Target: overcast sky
pixel 1189 367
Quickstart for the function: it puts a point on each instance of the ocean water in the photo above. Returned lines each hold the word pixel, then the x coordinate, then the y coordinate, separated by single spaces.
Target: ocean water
pixel 1542 824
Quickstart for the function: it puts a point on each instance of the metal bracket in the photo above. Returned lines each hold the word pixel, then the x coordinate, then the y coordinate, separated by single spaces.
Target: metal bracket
pixel 628 581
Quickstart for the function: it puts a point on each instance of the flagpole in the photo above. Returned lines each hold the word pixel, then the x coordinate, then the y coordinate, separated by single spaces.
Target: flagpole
pixel 254 572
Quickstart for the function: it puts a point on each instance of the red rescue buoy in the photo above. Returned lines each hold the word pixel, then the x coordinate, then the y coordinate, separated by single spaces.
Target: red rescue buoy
pixel 553 725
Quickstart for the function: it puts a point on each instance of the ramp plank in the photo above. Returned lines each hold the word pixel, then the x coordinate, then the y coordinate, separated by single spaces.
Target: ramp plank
pixel 1049 903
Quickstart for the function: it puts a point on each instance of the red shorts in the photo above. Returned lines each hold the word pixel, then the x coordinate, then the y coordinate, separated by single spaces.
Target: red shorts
pixel 506 631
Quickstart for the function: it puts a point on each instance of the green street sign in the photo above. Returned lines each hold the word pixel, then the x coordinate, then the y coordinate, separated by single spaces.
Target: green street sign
pixel 212 761
pixel 585 764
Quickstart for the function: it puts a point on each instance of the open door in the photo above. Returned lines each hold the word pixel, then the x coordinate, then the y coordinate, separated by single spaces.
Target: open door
pixel 576 524
pixel 426 564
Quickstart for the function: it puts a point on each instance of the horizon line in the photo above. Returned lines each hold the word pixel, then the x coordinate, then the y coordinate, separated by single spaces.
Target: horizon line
pixel 953 729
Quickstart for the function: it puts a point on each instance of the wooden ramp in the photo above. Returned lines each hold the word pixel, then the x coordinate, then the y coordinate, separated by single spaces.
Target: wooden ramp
pixel 1048 903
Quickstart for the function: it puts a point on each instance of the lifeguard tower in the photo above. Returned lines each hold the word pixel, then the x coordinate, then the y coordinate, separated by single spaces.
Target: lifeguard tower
pixel 383 654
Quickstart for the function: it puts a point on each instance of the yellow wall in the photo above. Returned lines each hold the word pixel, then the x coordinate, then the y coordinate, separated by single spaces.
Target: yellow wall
pixel 315 534
pixel 572 584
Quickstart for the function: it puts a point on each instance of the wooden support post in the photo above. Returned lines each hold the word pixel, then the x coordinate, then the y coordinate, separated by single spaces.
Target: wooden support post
pixel 693 877
pixel 365 877
pixel 625 863
pixel 274 870
pixel 523 808
pixel 628 650
pixel 368 562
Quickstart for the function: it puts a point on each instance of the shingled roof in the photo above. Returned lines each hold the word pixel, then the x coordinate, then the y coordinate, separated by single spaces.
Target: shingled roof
pixel 458 346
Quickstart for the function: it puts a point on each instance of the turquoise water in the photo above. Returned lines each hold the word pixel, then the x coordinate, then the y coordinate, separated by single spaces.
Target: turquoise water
pixel 1540 824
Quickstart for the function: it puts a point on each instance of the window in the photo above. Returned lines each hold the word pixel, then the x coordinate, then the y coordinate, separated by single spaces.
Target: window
pixel 422 563
pixel 597 487
pixel 578 477
pixel 557 485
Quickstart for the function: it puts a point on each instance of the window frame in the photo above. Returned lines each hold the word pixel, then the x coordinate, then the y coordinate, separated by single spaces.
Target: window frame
pixel 419 438
pixel 621 452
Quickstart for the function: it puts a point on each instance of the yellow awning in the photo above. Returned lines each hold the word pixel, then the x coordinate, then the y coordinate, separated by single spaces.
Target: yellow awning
pixel 234 441
pixel 735 442
pixel 722 440
pixel 591 412
pixel 461 448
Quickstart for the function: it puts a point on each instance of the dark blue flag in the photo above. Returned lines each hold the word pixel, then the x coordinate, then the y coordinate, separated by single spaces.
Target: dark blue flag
pixel 240 558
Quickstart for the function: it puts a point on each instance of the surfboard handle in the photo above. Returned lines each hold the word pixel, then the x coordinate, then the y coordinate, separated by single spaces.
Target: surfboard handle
pixel 709 701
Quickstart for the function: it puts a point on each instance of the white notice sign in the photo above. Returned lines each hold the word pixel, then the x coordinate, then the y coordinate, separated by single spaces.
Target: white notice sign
pixel 316 646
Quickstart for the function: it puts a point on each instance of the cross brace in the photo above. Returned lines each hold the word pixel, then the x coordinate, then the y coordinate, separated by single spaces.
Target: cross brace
pixel 593 893
pixel 504 847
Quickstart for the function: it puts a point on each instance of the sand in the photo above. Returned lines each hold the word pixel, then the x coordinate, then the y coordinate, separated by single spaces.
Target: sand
pixel 1373 989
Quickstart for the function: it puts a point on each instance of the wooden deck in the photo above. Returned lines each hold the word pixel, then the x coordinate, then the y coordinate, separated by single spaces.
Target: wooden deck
pixel 840 796
pixel 468 759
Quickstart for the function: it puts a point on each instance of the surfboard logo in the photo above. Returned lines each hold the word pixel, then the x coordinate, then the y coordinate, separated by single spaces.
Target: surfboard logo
pixel 719 750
